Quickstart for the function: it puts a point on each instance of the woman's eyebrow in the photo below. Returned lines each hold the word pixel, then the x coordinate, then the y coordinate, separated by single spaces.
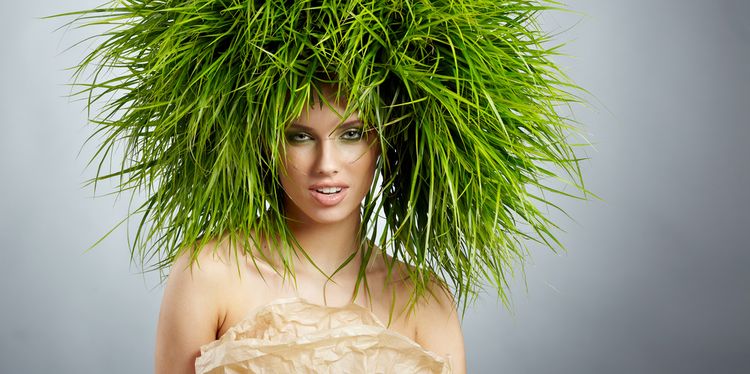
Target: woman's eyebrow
pixel 347 124
pixel 297 126
pixel 351 123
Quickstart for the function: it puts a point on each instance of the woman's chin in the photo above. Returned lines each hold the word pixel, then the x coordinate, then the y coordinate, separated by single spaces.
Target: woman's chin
pixel 326 216
pixel 330 218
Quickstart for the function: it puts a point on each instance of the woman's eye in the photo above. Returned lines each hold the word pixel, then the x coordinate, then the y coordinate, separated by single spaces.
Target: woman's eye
pixel 297 137
pixel 352 134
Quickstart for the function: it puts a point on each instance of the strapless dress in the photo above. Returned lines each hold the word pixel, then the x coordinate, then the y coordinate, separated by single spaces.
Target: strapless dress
pixel 295 336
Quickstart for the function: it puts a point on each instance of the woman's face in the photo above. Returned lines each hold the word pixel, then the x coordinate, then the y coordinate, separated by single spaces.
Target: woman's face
pixel 328 165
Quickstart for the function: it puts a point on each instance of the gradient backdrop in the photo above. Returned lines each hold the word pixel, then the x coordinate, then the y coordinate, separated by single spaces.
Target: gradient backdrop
pixel 656 278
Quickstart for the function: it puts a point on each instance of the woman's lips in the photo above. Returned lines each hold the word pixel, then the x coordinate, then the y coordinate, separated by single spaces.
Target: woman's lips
pixel 327 196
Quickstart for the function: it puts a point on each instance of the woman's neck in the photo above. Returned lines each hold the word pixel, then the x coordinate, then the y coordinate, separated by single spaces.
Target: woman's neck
pixel 328 245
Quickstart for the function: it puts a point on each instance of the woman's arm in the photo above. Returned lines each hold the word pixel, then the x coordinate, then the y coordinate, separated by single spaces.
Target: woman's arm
pixel 190 313
pixel 439 329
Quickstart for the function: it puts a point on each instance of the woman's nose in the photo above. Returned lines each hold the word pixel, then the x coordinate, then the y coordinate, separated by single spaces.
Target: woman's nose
pixel 328 158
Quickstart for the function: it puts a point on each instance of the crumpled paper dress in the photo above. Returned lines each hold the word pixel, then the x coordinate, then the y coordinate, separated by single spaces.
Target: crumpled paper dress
pixel 295 336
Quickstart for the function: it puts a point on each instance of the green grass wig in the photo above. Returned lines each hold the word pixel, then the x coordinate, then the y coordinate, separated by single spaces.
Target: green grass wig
pixel 463 94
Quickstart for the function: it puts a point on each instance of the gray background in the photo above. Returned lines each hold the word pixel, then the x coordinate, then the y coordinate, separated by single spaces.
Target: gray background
pixel 655 279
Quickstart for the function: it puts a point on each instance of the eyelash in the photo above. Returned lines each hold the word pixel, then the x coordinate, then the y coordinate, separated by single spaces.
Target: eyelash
pixel 293 137
pixel 356 134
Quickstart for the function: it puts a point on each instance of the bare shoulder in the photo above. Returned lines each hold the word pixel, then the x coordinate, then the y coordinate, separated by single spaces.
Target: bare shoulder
pixel 194 305
pixel 438 325
pixel 433 317
pixel 209 264
pixel 205 275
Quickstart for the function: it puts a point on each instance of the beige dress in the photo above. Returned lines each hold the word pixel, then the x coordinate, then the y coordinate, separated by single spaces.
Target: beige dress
pixel 295 336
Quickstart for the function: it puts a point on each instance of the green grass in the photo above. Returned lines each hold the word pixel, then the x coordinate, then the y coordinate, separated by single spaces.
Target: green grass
pixel 464 95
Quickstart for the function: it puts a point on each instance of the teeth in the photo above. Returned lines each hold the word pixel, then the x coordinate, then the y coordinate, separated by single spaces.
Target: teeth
pixel 329 190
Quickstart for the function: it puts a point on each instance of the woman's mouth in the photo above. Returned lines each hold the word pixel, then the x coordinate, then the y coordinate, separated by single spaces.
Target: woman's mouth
pixel 328 196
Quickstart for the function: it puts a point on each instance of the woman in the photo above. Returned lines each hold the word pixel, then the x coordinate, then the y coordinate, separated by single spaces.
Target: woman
pixel 328 169
pixel 255 130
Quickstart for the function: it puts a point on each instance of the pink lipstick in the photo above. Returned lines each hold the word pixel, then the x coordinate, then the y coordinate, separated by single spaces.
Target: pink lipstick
pixel 328 195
